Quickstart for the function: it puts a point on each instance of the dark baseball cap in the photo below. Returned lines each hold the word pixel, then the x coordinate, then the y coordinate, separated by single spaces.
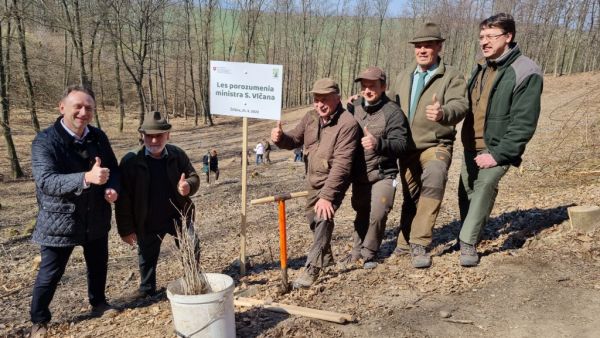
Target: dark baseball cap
pixel 371 73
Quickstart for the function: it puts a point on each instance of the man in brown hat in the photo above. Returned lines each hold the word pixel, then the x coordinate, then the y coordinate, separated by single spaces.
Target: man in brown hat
pixel 158 182
pixel 432 94
pixel 329 135
pixel 384 134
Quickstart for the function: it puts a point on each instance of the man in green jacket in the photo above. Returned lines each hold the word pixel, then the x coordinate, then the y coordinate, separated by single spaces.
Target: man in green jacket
pixel 504 95
pixel 159 180
pixel 432 94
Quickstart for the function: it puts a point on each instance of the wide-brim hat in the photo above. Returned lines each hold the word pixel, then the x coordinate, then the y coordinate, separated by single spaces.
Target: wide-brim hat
pixel 371 73
pixel 325 86
pixel 429 32
pixel 154 123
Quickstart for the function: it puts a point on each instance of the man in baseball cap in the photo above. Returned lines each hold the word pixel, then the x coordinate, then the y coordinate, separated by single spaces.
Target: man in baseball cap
pixel 432 95
pixel 329 135
pixel 383 139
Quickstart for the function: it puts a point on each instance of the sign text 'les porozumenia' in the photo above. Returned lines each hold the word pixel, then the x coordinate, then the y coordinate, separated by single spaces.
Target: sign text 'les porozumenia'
pixel 246 89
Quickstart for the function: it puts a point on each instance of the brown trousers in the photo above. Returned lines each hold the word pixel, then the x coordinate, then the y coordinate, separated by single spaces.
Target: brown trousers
pixel 372 203
pixel 424 175
pixel 320 254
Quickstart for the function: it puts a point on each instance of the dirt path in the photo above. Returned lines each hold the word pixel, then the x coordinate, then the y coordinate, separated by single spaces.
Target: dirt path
pixel 536 278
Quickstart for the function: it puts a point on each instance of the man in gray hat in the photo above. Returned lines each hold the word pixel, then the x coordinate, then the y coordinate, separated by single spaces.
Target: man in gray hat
pixel 432 94
pixel 158 182
pixel 329 135
pixel 384 135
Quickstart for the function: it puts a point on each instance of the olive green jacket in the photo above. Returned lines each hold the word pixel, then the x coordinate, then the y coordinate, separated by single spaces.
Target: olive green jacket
pixel 449 85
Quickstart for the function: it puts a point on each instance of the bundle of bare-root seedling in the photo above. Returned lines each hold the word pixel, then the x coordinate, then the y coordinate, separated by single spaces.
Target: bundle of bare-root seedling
pixel 193 280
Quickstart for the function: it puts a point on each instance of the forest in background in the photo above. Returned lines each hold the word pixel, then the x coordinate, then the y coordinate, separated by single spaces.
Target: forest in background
pixel 141 55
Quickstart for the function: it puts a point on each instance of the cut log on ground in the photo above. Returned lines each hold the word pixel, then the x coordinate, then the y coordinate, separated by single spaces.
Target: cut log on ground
pixel 295 310
pixel 584 218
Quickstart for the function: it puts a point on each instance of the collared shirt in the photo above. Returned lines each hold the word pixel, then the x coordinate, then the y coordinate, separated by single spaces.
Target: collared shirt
pixel 430 72
pixel 164 153
pixel 77 138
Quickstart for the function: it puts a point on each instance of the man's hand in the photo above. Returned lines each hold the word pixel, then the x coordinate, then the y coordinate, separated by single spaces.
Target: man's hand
pixel 97 175
pixel 434 111
pixel 324 209
pixel 369 142
pixel 485 161
pixel 352 98
pixel 110 195
pixel 276 133
pixel 130 239
pixel 183 187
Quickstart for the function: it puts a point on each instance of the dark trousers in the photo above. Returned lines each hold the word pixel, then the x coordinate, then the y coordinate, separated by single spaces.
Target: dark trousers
pixel 216 171
pixel 52 267
pixel 148 252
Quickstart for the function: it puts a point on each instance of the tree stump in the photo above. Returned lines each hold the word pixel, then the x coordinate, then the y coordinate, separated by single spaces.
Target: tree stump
pixel 584 218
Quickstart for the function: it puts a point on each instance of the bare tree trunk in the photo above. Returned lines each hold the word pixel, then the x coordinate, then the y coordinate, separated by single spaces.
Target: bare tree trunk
pixel 25 66
pixel 74 29
pixel 15 167
pixel 190 16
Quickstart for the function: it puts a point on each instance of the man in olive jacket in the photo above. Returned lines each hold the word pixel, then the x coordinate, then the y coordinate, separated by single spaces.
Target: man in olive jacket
pixel 76 179
pixel 158 181
pixel 433 96
pixel 384 136
pixel 329 135
pixel 504 96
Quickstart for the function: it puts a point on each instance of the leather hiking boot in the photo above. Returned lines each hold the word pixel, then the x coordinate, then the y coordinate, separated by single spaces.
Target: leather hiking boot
pixel 347 262
pixel 468 255
pixel 369 264
pixel 104 310
pixel 138 295
pixel 308 276
pixel 420 257
pixel 38 330
pixel 401 251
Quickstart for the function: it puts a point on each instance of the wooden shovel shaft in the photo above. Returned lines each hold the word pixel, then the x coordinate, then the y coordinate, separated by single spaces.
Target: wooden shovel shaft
pixel 279 197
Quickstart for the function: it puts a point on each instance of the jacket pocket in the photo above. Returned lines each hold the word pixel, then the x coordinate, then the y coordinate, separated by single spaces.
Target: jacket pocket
pixel 58 219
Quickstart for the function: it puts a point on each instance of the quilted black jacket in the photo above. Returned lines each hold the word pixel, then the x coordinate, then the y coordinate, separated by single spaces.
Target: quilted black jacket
pixel 68 214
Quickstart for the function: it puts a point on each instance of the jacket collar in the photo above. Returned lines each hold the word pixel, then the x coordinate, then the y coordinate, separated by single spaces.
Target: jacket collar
pixel 506 59
pixel 67 139
pixel 373 108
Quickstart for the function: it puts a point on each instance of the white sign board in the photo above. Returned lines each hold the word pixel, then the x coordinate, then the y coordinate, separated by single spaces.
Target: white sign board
pixel 246 89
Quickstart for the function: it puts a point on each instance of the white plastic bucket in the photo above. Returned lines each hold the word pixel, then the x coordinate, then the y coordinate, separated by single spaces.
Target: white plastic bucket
pixel 208 315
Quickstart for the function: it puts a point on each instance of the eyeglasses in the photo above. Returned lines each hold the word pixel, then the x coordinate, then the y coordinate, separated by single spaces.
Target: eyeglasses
pixel 490 37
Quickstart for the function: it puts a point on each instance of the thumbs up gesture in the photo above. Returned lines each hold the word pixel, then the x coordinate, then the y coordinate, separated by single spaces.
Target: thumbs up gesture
pixel 97 175
pixel 434 111
pixel 183 187
pixel 369 142
pixel 276 133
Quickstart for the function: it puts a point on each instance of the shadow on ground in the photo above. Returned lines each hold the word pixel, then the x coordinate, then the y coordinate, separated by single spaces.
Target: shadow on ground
pixel 518 225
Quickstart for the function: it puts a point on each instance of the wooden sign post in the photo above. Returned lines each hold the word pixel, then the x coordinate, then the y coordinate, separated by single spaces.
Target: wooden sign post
pixel 245 90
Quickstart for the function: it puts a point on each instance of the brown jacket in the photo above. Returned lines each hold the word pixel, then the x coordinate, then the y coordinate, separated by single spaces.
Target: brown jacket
pixel 330 149
pixel 451 90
